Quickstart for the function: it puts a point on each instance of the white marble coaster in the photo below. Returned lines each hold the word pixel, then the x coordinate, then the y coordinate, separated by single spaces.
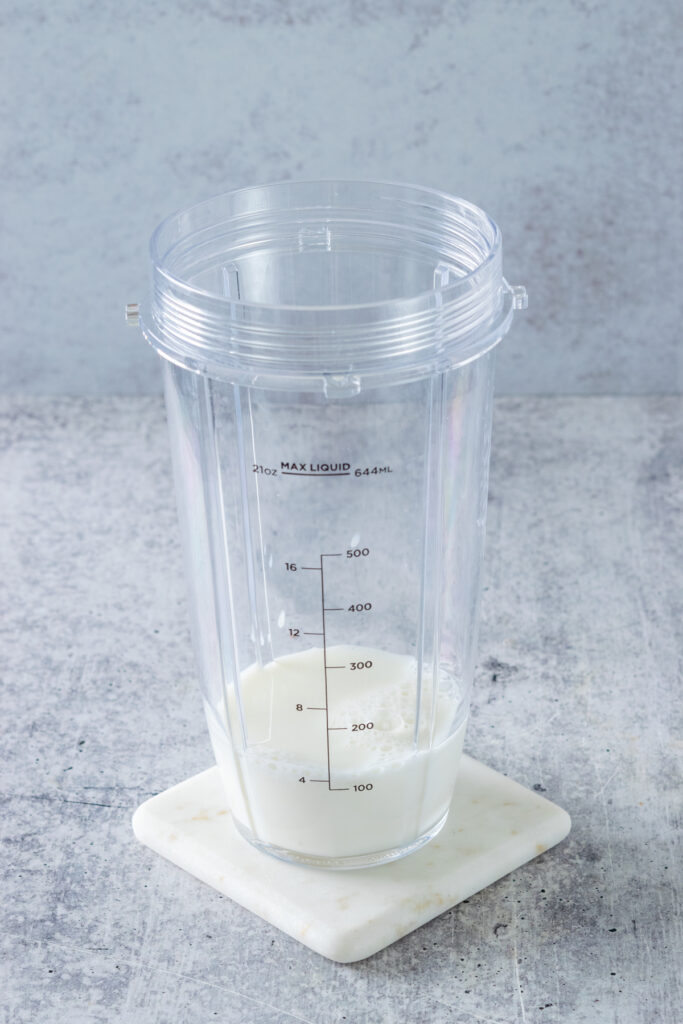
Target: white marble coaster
pixel 494 826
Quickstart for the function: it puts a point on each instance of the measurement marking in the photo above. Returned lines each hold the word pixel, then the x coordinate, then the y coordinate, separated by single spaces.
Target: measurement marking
pixel 337 728
pixel 316 709
pixel 339 789
pixel 327 699
pixel 334 609
pixel 288 472
pixel 335 666
pixel 312 634
pixel 335 554
pixel 320 780
pixel 313 568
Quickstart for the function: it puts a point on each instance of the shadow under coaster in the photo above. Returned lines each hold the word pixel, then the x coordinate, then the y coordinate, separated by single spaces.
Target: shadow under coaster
pixel 495 825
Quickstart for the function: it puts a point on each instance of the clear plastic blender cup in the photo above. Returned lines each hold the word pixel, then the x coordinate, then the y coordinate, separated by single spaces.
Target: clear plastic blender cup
pixel 328 355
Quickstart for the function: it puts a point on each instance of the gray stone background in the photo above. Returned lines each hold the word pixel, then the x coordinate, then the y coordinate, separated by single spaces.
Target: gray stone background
pixel 563 119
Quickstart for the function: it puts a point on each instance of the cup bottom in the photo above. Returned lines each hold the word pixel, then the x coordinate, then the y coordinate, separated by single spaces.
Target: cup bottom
pixel 363 860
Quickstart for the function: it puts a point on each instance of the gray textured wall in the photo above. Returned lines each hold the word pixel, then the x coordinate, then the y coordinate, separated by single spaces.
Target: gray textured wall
pixel 563 119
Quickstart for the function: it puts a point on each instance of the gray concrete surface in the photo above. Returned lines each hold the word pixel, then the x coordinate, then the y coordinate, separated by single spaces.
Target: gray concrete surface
pixel 563 120
pixel 578 696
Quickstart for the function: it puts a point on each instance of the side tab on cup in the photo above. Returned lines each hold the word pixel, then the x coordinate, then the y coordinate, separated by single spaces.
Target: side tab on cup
pixel 132 314
pixel 520 299
pixel 315 236
pixel 341 385
pixel 231 282
pixel 442 276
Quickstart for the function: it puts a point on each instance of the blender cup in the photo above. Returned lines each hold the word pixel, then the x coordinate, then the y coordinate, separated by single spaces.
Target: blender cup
pixel 328 355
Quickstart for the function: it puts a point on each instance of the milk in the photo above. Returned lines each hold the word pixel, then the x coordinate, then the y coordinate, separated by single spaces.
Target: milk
pixel 390 779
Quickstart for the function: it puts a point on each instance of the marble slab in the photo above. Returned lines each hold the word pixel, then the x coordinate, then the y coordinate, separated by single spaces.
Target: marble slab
pixel 494 826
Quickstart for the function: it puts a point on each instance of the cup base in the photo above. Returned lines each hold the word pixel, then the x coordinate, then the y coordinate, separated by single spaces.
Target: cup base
pixel 495 826
pixel 364 860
